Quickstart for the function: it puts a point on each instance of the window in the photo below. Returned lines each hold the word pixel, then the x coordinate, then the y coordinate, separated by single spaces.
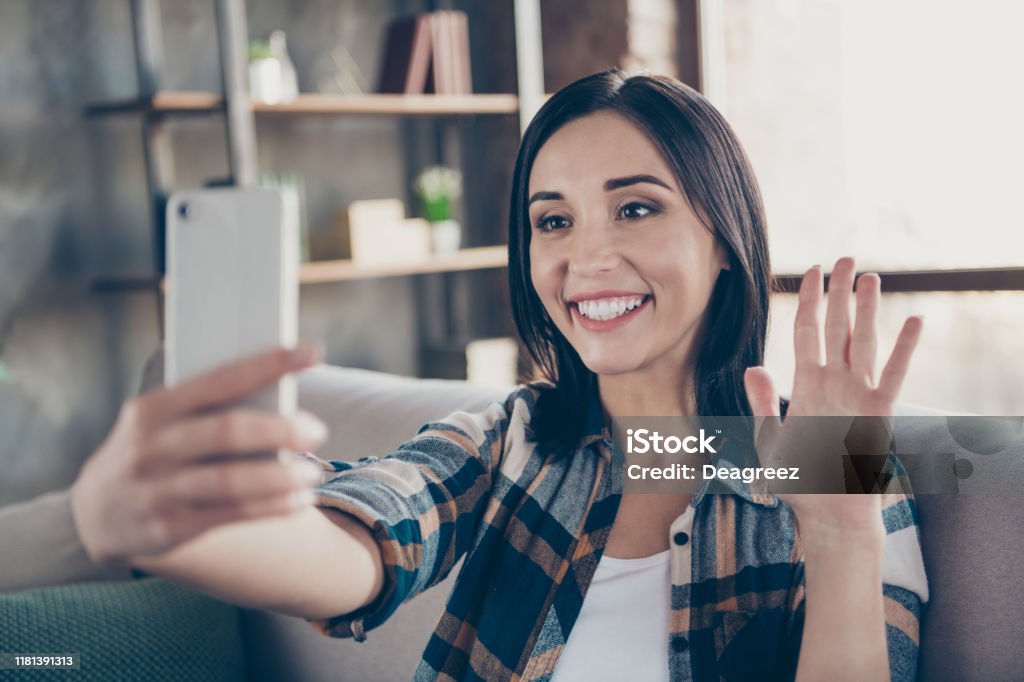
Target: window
pixel 890 131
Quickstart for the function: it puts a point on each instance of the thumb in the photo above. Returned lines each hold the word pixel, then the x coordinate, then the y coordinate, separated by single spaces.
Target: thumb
pixel 764 401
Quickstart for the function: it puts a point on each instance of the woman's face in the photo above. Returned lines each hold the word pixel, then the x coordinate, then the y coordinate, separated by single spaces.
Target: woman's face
pixel 619 258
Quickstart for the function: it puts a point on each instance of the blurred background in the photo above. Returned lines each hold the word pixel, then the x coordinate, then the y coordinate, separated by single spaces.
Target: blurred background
pixel 887 130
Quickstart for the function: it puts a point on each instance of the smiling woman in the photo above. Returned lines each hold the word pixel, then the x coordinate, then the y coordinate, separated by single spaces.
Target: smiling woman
pixel 640 283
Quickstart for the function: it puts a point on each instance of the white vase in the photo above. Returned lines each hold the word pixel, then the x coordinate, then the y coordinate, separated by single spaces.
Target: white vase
pixel 265 81
pixel 445 236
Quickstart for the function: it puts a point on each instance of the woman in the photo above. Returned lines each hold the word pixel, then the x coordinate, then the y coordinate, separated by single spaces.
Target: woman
pixel 640 284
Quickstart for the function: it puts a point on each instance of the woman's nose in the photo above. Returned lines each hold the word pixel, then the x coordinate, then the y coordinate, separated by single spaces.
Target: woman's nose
pixel 592 253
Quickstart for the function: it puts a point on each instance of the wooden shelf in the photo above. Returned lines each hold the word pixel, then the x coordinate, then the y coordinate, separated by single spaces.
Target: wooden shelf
pixel 162 102
pixel 465 259
pixel 185 102
pixel 400 105
pixel 319 272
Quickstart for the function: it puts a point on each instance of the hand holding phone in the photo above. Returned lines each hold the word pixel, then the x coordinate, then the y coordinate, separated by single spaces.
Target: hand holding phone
pixel 153 483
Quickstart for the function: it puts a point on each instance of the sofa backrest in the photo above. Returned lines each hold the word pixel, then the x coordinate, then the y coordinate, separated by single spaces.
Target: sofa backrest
pixel 971 546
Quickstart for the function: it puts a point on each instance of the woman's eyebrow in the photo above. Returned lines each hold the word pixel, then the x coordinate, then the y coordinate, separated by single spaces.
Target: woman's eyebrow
pixel 613 184
pixel 617 183
pixel 545 196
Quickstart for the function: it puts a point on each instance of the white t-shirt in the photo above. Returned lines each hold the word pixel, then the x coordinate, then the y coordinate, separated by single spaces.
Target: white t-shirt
pixel 622 630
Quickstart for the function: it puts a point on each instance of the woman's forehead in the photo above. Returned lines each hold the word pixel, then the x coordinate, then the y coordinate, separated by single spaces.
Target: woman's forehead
pixel 594 149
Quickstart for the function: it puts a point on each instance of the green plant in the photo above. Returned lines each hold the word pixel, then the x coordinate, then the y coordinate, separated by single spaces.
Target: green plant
pixel 438 187
pixel 259 49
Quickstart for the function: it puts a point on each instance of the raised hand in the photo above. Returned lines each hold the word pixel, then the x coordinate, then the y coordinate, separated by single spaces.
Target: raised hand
pixel 158 479
pixel 835 377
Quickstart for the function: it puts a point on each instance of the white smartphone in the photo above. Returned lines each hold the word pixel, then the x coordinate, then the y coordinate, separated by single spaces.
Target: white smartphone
pixel 232 284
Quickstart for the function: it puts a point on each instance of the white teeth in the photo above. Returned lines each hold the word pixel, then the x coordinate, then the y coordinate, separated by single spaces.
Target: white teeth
pixel 608 308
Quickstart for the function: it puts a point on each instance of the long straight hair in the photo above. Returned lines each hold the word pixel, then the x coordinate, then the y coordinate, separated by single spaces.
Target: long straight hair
pixel 716 177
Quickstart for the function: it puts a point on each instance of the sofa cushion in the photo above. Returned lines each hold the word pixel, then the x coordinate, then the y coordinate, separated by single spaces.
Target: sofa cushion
pixel 372 413
pixel 144 630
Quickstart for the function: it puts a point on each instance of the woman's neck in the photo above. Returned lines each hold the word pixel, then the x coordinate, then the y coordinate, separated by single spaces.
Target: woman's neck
pixel 647 394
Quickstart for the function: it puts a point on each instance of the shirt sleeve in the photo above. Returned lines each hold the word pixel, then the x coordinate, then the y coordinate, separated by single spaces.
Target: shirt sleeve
pixel 422 503
pixel 42 548
pixel 904 584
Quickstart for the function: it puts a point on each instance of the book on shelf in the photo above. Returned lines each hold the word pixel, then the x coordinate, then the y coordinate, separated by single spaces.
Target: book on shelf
pixel 427 53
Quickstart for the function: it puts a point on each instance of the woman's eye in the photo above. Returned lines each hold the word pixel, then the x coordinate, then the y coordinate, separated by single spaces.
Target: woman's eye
pixel 552 222
pixel 637 210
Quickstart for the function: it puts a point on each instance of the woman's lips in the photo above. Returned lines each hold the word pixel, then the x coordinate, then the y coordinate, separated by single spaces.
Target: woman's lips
pixel 593 325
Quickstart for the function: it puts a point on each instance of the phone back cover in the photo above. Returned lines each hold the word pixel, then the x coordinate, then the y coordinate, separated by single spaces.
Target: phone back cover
pixel 232 283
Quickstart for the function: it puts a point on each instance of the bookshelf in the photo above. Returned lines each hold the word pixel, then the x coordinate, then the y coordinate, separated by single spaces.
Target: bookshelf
pixel 156 107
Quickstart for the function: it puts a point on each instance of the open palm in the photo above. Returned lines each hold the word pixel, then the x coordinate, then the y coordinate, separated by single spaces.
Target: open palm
pixel 835 377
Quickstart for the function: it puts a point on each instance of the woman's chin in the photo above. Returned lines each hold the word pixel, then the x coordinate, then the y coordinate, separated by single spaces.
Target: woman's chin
pixel 609 366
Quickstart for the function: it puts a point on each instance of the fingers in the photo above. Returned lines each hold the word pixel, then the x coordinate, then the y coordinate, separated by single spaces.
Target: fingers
pixel 232 483
pixel 232 381
pixel 186 525
pixel 764 399
pixel 764 403
pixel 837 315
pixel 807 325
pixel 895 370
pixel 864 343
pixel 238 431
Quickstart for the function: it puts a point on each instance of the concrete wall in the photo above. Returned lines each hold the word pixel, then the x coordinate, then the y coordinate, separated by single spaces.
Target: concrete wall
pixel 73 207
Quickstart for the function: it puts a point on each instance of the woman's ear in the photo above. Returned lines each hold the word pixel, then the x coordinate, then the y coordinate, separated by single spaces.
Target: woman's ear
pixel 723 256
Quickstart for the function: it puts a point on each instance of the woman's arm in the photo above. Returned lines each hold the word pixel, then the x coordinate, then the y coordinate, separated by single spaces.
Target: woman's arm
pixel 156 481
pixel 175 491
pixel 315 564
pixel 844 634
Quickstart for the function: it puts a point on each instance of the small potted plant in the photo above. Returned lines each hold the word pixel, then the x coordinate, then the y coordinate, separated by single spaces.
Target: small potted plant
pixel 272 78
pixel 438 188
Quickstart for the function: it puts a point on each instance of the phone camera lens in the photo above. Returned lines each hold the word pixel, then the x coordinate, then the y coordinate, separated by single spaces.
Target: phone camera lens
pixel 185 210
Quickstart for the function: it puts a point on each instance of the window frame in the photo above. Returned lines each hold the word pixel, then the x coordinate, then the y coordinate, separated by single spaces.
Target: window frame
pixel 700 61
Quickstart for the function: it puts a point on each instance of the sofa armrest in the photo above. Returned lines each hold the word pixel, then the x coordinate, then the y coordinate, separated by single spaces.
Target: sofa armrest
pixel 143 630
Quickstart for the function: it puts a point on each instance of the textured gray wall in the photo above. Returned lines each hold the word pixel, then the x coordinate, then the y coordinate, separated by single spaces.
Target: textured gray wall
pixel 73 207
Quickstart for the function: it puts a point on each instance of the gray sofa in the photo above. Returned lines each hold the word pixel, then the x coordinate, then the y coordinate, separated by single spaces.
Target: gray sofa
pixel 973 629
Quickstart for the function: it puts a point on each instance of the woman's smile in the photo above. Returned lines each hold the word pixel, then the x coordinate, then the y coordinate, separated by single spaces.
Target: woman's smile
pixel 603 312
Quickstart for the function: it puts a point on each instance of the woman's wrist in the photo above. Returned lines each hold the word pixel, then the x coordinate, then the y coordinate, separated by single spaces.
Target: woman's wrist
pixel 826 536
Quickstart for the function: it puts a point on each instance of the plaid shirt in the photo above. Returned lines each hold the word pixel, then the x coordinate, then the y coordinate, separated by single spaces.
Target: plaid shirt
pixel 532 529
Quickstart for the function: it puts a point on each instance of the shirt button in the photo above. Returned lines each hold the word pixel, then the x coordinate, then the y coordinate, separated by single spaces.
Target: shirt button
pixel 680 538
pixel 679 643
